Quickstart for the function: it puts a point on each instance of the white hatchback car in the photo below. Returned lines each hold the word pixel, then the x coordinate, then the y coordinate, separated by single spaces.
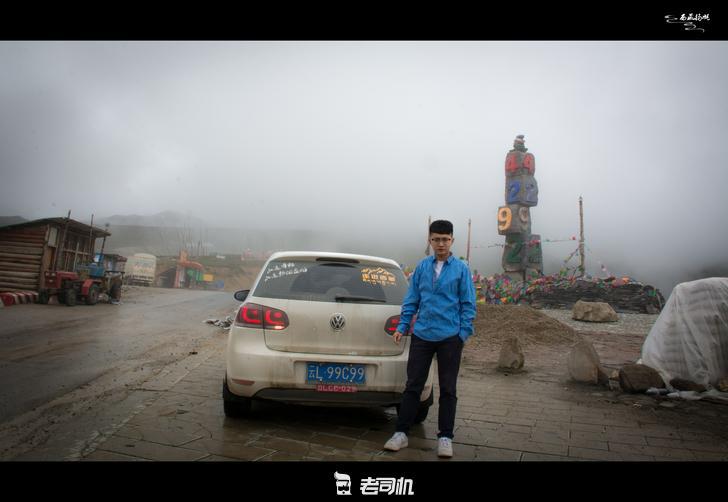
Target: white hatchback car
pixel 316 328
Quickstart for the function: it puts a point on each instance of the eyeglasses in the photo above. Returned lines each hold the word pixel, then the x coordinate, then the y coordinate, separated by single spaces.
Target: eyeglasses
pixel 438 240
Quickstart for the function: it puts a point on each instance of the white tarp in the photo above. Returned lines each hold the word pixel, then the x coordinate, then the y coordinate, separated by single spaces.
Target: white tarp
pixel 690 337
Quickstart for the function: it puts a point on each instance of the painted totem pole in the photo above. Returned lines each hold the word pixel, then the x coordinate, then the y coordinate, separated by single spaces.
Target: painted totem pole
pixel 522 255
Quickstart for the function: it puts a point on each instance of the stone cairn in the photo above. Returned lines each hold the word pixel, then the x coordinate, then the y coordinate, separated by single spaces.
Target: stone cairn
pixel 522 255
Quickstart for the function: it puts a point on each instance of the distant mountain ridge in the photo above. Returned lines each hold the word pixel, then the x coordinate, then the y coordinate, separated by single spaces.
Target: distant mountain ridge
pixel 168 219
pixel 167 241
pixel 11 220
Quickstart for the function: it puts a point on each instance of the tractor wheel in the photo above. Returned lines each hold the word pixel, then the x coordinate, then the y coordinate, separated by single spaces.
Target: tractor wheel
pixel 43 297
pixel 93 295
pixel 115 292
pixel 69 297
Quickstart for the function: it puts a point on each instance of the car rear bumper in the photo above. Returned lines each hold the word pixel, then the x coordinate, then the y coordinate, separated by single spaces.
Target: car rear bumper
pixel 309 396
pixel 255 371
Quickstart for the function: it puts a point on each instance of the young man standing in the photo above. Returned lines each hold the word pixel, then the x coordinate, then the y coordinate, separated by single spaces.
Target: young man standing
pixel 441 292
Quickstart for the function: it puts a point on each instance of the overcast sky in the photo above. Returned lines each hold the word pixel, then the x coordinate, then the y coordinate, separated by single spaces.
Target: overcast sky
pixel 370 138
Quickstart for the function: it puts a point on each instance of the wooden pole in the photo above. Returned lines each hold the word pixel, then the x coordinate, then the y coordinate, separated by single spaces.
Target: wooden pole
pixel 467 255
pixel 581 237
pixel 61 244
pixel 103 243
pixel 427 249
pixel 91 241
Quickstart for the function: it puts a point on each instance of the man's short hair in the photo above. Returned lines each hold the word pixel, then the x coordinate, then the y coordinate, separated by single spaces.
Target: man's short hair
pixel 441 227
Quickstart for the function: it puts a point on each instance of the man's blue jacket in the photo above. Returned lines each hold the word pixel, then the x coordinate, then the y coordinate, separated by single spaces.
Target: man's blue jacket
pixel 445 307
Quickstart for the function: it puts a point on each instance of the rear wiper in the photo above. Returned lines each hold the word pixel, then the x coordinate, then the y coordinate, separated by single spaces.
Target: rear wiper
pixel 340 298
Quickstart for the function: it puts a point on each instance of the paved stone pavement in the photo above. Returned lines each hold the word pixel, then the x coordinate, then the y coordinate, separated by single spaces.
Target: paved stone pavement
pixel 535 415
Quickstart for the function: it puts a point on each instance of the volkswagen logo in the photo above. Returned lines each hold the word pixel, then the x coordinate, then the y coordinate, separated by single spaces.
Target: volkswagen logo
pixel 337 322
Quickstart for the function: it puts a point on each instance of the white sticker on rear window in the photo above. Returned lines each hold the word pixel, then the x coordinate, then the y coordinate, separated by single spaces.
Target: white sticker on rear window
pixel 283 270
pixel 378 276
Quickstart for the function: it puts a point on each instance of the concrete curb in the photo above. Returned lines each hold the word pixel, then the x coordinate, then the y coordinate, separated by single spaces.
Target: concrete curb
pixel 10 298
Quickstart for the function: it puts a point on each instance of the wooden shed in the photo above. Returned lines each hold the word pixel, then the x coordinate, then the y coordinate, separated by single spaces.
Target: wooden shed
pixel 29 249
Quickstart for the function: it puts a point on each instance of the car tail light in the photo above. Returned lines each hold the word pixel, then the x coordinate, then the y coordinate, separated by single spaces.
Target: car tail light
pixel 274 318
pixel 252 315
pixel 391 325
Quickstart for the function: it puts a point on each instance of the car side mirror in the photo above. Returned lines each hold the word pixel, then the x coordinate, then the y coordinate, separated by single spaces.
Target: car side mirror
pixel 241 295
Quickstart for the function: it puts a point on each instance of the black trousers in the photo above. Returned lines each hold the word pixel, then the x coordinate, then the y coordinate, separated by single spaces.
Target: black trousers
pixel 449 352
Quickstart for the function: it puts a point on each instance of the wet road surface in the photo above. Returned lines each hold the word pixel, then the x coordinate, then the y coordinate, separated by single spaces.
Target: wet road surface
pixel 59 364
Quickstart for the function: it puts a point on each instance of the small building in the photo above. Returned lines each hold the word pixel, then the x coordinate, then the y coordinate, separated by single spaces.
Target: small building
pixel 29 249
pixel 188 272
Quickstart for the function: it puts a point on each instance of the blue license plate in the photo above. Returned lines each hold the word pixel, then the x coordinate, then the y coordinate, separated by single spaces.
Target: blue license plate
pixel 335 373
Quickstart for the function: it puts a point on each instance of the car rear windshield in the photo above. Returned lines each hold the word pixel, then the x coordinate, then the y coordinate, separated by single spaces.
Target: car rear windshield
pixel 324 281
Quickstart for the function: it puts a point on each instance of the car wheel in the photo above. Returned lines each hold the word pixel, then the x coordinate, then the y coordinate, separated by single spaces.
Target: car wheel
pixel 93 295
pixel 234 406
pixel 424 408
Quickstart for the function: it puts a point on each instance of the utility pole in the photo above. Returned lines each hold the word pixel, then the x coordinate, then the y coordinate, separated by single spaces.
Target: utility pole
pixel 581 237
pixel 467 256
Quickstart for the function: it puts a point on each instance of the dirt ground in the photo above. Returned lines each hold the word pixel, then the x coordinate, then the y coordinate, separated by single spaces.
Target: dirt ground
pixel 237 275
pixel 546 337
pixel 235 278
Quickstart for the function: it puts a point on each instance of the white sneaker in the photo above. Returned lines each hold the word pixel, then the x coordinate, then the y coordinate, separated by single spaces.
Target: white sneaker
pixel 444 447
pixel 399 440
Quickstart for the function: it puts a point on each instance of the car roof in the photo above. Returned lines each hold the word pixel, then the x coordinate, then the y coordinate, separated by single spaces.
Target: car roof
pixel 329 254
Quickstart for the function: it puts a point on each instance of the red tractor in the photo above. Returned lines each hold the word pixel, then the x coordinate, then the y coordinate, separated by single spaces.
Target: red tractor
pixel 86 281
pixel 85 285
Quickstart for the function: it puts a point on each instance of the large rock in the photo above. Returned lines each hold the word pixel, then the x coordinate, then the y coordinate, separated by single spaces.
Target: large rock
pixel 684 384
pixel 594 312
pixel 613 381
pixel 639 378
pixel 584 362
pixel 602 377
pixel 511 355
pixel 723 385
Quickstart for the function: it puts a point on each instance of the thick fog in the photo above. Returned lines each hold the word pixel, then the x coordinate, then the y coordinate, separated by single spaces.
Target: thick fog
pixel 360 142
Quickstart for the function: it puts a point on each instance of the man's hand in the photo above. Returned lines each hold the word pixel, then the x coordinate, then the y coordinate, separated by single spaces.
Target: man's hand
pixel 396 337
